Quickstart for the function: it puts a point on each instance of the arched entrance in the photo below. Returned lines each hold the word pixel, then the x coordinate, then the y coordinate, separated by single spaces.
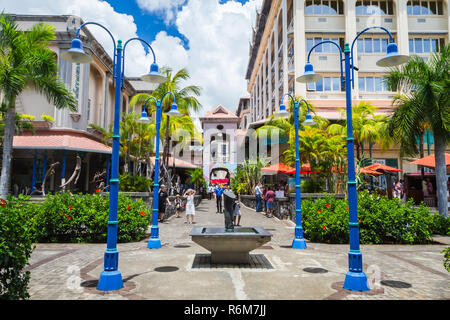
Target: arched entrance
pixel 219 176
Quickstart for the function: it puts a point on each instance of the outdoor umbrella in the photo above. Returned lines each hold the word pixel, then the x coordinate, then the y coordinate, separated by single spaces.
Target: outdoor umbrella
pixel 278 168
pixel 382 168
pixel 370 172
pixel 304 168
pixel 430 161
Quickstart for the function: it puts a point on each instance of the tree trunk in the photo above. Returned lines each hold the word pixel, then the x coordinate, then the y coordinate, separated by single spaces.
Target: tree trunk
pixel 441 176
pixel 7 151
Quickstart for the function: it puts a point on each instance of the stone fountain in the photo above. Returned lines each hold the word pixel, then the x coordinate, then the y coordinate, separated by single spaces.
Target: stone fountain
pixel 230 244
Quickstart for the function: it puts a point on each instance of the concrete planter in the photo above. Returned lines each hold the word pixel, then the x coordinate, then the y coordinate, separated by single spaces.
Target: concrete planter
pixel 284 208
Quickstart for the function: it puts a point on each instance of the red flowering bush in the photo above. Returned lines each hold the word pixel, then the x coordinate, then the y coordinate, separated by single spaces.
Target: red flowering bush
pixel 84 218
pixel 16 246
pixel 380 221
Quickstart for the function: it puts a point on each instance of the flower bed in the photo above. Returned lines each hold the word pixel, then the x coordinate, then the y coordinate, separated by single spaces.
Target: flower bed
pixel 84 218
pixel 381 221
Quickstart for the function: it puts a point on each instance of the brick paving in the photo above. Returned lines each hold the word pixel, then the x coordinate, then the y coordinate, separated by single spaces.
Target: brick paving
pixel 71 271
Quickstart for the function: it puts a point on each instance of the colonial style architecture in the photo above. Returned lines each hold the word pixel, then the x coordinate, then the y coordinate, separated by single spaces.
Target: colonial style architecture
pixel 220 152
pixel 243 112
pixel 71 134
pixel 286 30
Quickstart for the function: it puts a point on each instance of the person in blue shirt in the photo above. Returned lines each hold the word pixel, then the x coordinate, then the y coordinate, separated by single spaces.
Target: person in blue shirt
pixel 218 191
pixel 258 195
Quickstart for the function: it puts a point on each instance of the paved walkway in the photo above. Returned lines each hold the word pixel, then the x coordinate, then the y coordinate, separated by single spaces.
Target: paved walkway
pixel 71 271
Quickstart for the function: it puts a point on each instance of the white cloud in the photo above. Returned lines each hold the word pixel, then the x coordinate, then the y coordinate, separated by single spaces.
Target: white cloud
pixel 167 8
pixel 218 36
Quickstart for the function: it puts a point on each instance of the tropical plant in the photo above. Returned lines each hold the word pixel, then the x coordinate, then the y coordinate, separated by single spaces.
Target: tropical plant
pixel 368 127
pixel 26 61
pixel 252 172
pixel 425 104
pixel 196 178
pixel 186 99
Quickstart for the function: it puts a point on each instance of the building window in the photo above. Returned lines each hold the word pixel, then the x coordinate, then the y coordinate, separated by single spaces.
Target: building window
pixel 381 7
pixel 372 45
pixel 324 7
pixel 372 84
pixel 425 45
pixel 331 84
pixel 326 47
pixel 424 8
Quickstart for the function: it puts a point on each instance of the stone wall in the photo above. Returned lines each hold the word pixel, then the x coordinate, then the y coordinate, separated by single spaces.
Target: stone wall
pixel 284 208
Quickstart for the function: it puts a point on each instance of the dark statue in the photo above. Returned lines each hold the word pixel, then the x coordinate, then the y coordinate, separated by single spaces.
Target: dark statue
pixel 229 204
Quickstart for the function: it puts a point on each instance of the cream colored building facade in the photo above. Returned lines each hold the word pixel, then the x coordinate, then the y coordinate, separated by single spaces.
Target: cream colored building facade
pixel 285 31
pixel 70 135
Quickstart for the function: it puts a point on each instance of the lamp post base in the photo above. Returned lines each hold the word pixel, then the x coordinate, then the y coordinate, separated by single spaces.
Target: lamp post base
pixel 356 281
pixel 154 244
pixel 299 244
pixel 110 281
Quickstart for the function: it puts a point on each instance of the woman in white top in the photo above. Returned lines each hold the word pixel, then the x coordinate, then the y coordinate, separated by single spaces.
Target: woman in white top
pixel 190 206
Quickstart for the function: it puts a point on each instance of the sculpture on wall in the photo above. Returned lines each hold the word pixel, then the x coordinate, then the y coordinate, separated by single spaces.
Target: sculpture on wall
pixel 49 172
pixel 75 175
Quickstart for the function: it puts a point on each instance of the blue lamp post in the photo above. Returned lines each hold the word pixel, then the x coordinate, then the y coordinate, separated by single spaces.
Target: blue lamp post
pixel 111 278
pixel 356 279
pixel 155 242
pixel 298 242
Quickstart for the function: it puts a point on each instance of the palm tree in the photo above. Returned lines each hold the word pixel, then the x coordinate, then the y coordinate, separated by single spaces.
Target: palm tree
pixel 196 178
pixel 367 128
pixel 186 99
pixel 26 62
pixel 426 103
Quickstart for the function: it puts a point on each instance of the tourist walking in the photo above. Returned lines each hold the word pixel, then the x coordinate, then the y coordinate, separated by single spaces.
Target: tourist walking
pixel 190 206
pixel 163 200
pixel 264 191
pixel 270 198
pixel 210 191
pixel 258 195
pixel 398 190
pixel 237 212
pixel 218 191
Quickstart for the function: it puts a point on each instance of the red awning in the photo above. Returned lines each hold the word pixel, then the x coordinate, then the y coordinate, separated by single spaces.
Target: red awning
pixel 278 168
pixel 60 140
pixel 178 163
pixel 430 161
pixel 219 181
pixel 382 167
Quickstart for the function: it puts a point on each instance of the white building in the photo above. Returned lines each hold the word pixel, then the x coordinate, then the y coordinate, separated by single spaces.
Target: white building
pixel 286 30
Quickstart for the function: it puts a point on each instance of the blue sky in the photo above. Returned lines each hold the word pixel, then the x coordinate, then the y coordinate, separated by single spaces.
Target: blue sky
pixel 149 24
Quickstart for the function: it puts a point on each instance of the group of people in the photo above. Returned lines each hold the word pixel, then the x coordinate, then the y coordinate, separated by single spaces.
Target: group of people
pixel 216 191
pixel 265 199
pixel 164 200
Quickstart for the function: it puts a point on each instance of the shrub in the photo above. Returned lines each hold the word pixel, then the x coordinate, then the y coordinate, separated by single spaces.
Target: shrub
pixel 446 253
pixel 84 218
pixel 130 183
pixel 380 221
pixel 15 249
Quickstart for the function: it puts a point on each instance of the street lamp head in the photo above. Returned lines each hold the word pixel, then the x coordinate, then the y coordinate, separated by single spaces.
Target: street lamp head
pixel 144 118
pixel 76 54
pixel 174 111
pixel 392 57
pixel 309 121
pixel 154 76
pixel 309 75
pixel 283 113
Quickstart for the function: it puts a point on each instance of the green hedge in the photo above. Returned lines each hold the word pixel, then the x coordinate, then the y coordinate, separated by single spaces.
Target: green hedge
pixel 382 221
pixel 83 218
pixel 15 249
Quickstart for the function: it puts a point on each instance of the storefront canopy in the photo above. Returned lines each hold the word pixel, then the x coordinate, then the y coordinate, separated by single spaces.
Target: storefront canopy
pixel 60 140
pixel 430 161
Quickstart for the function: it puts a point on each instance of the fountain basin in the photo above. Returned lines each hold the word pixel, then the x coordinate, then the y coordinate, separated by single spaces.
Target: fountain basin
pixel 230 247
